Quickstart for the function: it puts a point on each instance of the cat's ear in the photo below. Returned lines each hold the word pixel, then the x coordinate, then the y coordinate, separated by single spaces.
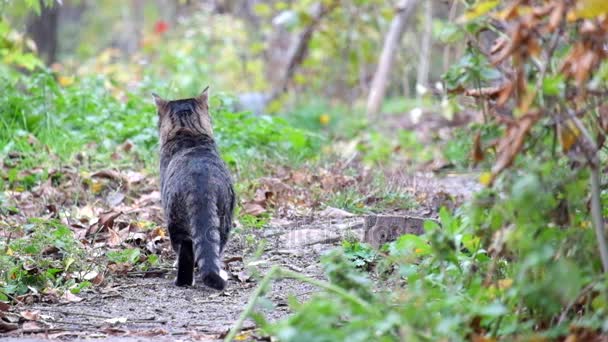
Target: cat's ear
pixel 203 98
pixel 161 103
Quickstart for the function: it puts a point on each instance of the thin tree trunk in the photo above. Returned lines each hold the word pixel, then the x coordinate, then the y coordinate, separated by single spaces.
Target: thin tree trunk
pixel 134 18
pixel 447 49
pixel 425 48
pixel 43 30
pixel 299 50
pixel 403 11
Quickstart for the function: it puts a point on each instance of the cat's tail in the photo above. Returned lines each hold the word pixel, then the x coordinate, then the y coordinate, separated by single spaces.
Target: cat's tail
pixel 206 236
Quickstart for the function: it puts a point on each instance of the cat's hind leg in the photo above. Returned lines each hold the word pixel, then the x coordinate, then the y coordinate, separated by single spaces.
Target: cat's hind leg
pixel 185 264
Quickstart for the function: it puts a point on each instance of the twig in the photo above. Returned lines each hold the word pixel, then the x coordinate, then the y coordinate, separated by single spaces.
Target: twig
pixel 596 204
pixel 129 320
pixel 157 271
pixel 125 286
pixel 596 214
pixel 249 308
pixel 283 273
pixel 326 286
pixel 584 291
pixel 46 330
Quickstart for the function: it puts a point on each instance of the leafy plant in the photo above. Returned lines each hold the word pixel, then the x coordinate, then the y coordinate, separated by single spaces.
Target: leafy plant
pixel 47 257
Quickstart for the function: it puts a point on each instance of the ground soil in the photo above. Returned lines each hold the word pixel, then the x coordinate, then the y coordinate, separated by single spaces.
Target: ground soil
pixel 141 309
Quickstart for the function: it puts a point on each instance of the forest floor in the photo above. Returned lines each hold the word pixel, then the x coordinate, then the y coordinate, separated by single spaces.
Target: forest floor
pixel 131 304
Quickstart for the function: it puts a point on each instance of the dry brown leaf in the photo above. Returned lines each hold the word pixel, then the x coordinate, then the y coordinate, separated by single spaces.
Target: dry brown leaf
pixel 557 15
pixel 151 332
pixel 498 45
pixel 127 146
pixel 510 145
pixel 568 134
pixel 148 199
pixel 334 213
pixel 115 198
pixel 505 94
pixel 69 297
pixel 603 117
pixel 106 219
pixel 30 326
pixel 134 177
pixel 120 268
pixel 253 209
pixel 108 174
pixel 31 315
pixel 6 326
pixel 477 151
pixel 113 239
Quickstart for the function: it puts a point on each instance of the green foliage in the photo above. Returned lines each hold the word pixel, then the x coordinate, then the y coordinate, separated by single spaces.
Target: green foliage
pixel 129 255
pixel 500 267
pixel 472 71
pixel 48 257
pixel 360 255
pixel 67 118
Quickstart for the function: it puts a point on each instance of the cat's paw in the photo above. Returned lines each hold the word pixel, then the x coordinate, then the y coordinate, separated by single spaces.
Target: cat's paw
pixel 215 280
pixel 183 282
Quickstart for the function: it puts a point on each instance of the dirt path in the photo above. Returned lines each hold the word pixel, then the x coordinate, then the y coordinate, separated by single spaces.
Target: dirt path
pixel 144 308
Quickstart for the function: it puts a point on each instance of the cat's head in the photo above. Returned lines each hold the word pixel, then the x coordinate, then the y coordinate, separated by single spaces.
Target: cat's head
pixel 186 116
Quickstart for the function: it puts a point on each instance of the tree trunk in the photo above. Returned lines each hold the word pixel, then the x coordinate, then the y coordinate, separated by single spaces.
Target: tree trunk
pixel 404 9
pixel 43 30
pixel 447 49
pixel 299 49
pixel 425 48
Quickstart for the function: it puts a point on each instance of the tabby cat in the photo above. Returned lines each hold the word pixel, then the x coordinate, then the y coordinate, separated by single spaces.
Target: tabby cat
pixel 196 189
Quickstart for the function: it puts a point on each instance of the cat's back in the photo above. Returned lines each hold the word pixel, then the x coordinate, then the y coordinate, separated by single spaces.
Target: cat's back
pixel 196 169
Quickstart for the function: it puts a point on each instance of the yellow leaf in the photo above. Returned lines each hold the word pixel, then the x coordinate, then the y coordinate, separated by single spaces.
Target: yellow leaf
pixel 568 134
pixel 481 8
pixel 65 81
pixel 588 9
pixel 486 178
pixel 96 187
pixel 9 252
pixel 324 119
pixel 505 283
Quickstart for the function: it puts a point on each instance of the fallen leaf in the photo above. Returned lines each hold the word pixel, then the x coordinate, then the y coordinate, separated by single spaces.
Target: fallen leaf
pixel 6 326
pixel 114 238
pixel 334 213
pixel 116 320
pixel 134 177
pixel 106 220
pixel 31 315
pixel 115 198
pixel 30 326
pixel 108 174
pixel 69 297
pixel 152 332
pixel 243 276
pixel 147 199
pixel 253 209
pixel 477 151
pixel 98 279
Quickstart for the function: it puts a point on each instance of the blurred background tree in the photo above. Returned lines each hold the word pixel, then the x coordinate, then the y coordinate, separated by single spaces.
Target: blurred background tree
pixel 270 52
